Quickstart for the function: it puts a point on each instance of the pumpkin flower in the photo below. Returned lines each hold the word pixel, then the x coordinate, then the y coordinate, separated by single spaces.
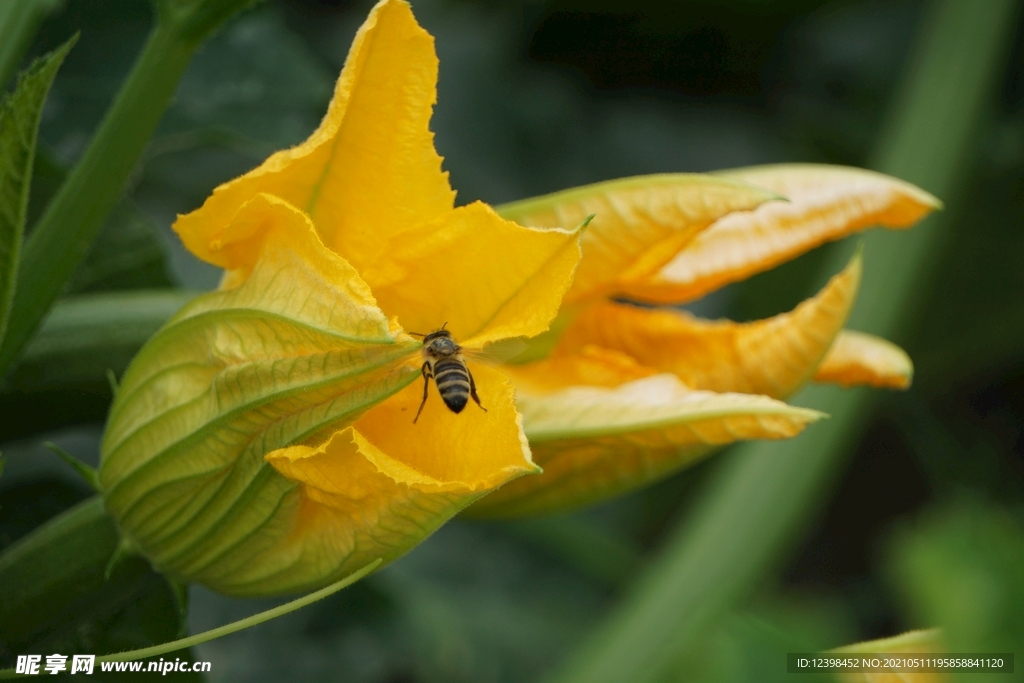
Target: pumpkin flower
pixel 630 394
pixel 263 441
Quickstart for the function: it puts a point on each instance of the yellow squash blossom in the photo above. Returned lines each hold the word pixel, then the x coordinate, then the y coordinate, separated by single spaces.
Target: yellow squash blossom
pixel 630 394
pixel 263 441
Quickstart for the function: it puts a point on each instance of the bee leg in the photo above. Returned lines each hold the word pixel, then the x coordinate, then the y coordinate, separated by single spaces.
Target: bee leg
pixel 426 385
pixel 472 390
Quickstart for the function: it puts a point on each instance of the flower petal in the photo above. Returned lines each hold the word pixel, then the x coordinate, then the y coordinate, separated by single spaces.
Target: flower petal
pixel 590 366
pixel 293 351
pixel 774 357
pixel 479 449
pixel 595 443
pixel 487 277
pixel 639 223
pixel 825 203
pixel 370 169
pixel 355 504
pixel 857 359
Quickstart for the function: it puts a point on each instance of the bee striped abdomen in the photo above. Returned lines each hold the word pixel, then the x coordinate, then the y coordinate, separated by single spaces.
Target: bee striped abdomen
pixel 443 363
pixel 452 378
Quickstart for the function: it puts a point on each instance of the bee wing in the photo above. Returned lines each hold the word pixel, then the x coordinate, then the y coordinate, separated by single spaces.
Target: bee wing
pixel 497 352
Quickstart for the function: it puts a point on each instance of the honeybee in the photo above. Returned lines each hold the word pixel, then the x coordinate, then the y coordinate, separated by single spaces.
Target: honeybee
pixel 443 362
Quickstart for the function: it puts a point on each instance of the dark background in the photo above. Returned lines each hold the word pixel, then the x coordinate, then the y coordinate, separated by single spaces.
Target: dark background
pixel 535 97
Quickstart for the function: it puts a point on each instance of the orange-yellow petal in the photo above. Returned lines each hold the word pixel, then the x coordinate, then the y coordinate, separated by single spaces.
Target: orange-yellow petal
pixel 480 447
pixel 487 277
pixel 825 203
pixel 370 169
pixel 639 223
pixel 857 359
pixel 355 503
pixel 589 366
pixel 595 443
pixel 380 486
pixel 271 233
pixel 773 357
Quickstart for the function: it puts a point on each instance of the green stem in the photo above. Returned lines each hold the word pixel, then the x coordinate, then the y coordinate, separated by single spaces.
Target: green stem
pixel 61 238
pixel 764 491
pixel 241 624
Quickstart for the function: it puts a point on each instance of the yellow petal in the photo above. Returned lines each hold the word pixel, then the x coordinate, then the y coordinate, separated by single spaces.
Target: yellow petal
pixel 295 350
pixel 825 203
pixel 487 277
pixel 639 223
pixel 370 169
pixel 774 357
pixel 590 366
pixel 595 443
pixel 912 642
pixel 480 448
pixel 857 358
pixel 380 488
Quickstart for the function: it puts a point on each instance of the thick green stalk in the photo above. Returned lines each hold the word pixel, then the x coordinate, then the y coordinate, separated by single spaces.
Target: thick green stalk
pixel 61 238
pixel 63 234
pixel 764 491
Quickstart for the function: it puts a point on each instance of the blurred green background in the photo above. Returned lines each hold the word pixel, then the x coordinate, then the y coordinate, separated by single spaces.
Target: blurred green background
pixel 535 97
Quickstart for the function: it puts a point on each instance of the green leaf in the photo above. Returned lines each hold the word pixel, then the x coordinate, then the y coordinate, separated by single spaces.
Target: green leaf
pixel 20 113
pixel 18 23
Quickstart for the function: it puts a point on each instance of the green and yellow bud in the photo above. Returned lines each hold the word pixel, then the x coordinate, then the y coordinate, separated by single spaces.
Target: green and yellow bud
pixel 235 375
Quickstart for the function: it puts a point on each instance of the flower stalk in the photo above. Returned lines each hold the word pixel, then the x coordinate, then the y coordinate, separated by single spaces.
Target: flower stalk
pixel 63 234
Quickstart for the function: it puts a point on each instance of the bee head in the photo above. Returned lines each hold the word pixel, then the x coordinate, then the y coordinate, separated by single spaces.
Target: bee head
pixel 440 343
